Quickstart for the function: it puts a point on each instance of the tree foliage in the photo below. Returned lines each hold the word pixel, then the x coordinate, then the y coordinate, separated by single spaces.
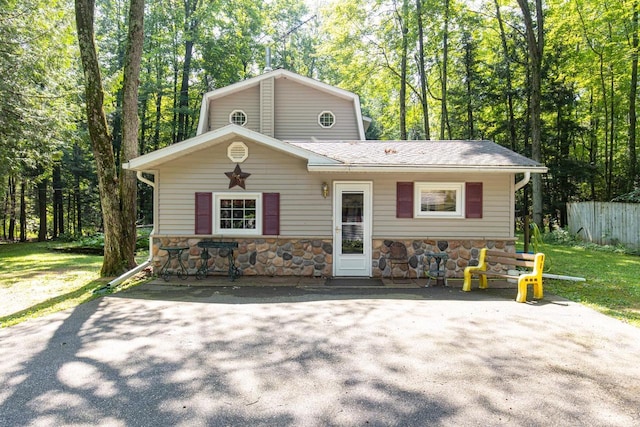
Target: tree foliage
pixel 422 68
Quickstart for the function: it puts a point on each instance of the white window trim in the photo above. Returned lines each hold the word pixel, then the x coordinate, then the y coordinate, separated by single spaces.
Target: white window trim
pixel 231 231
pixel 246 118
pixel 326 112
pixel 458 187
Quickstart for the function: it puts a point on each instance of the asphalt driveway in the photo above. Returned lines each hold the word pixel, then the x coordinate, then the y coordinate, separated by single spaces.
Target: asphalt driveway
pixel 189 356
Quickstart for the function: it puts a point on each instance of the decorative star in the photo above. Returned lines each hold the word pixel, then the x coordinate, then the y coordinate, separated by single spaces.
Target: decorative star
pixel 237 177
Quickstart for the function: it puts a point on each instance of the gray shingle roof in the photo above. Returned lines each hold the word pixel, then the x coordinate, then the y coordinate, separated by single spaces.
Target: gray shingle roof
pixel 418 153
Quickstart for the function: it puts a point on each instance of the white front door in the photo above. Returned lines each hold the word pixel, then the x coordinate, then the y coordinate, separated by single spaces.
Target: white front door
pixel 352 229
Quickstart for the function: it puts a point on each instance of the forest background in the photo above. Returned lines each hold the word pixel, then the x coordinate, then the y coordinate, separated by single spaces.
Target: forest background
pixel 424 69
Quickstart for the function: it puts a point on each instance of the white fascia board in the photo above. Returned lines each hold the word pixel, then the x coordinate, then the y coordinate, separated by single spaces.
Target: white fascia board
pixel 153 159
pixel 356 106
pixel 203 120
pixel 417 169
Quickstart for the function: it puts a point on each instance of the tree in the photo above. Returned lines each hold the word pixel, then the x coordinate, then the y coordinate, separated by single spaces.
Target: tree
pixel 118 252
pixel 535 44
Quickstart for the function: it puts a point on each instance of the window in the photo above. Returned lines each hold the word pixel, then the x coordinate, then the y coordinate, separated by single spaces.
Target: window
pixel 238 213
pixel 238 117
pixel 326 119
pixel 443 199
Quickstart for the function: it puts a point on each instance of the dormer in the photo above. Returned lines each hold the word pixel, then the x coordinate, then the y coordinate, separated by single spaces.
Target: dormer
pixel 286 106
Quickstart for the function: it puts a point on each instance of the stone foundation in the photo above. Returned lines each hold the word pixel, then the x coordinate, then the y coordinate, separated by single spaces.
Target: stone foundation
pixel 255 257
pixel 461 253
pixel 314 257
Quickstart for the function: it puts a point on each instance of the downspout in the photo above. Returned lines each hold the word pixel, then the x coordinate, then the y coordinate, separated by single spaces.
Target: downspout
pixel 145 264
pixel 524 181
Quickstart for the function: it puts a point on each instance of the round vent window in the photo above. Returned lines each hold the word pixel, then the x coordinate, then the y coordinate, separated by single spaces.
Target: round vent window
pixel 238 117
pixel 326 119
pixel 237 152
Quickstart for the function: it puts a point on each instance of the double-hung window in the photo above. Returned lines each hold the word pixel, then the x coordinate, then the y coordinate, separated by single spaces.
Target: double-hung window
pixel 238 213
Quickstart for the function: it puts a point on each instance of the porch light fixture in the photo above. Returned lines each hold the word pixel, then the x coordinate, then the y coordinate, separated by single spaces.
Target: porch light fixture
pixel 325 190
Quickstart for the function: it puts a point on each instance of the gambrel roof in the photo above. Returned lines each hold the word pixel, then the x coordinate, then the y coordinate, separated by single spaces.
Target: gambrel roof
pixel 363 122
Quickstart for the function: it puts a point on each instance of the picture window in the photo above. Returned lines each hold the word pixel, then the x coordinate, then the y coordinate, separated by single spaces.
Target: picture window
pixel 439 200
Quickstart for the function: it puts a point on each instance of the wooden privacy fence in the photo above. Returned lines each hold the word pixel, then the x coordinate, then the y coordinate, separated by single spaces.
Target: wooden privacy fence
pixel 606 223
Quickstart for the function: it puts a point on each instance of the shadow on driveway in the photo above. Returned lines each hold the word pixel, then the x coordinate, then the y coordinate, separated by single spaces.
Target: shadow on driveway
pixel 280 356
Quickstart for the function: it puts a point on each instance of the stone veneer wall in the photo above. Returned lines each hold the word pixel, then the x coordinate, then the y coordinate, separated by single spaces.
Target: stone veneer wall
pixel 314 257
pixel 461 253
pixel 255 257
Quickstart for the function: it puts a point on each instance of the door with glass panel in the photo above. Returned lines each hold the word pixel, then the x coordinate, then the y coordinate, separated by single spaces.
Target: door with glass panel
pixel 352 229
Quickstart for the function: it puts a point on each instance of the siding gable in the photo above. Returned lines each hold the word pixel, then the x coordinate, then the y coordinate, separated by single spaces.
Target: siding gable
pixel 296 111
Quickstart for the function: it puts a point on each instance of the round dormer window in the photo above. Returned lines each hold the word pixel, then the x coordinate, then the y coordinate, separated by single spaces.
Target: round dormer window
pixel 238 117
pixel 326 119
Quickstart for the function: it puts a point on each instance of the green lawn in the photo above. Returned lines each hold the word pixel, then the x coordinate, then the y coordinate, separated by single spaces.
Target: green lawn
pixel 613 279
pixel 35 280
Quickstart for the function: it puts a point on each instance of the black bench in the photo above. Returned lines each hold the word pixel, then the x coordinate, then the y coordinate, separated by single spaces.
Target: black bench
pixel 224 249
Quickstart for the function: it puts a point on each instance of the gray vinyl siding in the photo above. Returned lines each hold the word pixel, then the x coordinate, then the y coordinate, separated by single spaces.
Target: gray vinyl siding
pixel 496 221
pixel 303 210
pixel 247 100
pixel 297 108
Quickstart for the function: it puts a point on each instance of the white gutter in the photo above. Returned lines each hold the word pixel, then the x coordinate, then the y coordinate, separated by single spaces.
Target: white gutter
pixel 523 182
pixel 426 168
pixel 139 268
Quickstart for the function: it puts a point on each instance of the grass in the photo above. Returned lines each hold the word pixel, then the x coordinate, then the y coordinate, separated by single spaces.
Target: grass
pixel 612 276
pixel 35 281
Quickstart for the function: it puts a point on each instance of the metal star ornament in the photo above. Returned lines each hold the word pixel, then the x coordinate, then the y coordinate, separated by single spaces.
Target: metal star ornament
pixel 237 177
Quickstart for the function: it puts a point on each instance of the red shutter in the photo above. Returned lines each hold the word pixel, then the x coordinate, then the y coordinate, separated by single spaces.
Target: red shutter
pixel 473 204
pixel 271 214
pixel 204 217
pixel 404 200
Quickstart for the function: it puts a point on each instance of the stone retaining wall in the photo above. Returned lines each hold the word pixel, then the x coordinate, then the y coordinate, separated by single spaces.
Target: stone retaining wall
pixel 314 257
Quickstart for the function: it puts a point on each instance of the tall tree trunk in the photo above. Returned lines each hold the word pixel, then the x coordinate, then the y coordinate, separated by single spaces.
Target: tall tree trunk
pixel 633 93
pixel 78 202
pixel 507 65
pixel 129 185
pixel 42 210
pixel 58 205
pixel 535 44
pixel 468 65
pixel 422 72
pixel 402 19
pixel 117 248
pixel 444 115
pixel 12 208
pixel 23 210
pixel 190 27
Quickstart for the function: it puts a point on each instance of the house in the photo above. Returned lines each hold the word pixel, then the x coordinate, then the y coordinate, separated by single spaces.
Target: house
pixel 281 166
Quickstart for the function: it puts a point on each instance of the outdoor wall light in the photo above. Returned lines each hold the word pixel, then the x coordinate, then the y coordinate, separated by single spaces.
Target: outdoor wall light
pixel 325 190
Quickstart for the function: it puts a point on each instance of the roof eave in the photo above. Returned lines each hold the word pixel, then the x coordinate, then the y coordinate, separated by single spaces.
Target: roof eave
pixel 156 158
pixel 425 168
